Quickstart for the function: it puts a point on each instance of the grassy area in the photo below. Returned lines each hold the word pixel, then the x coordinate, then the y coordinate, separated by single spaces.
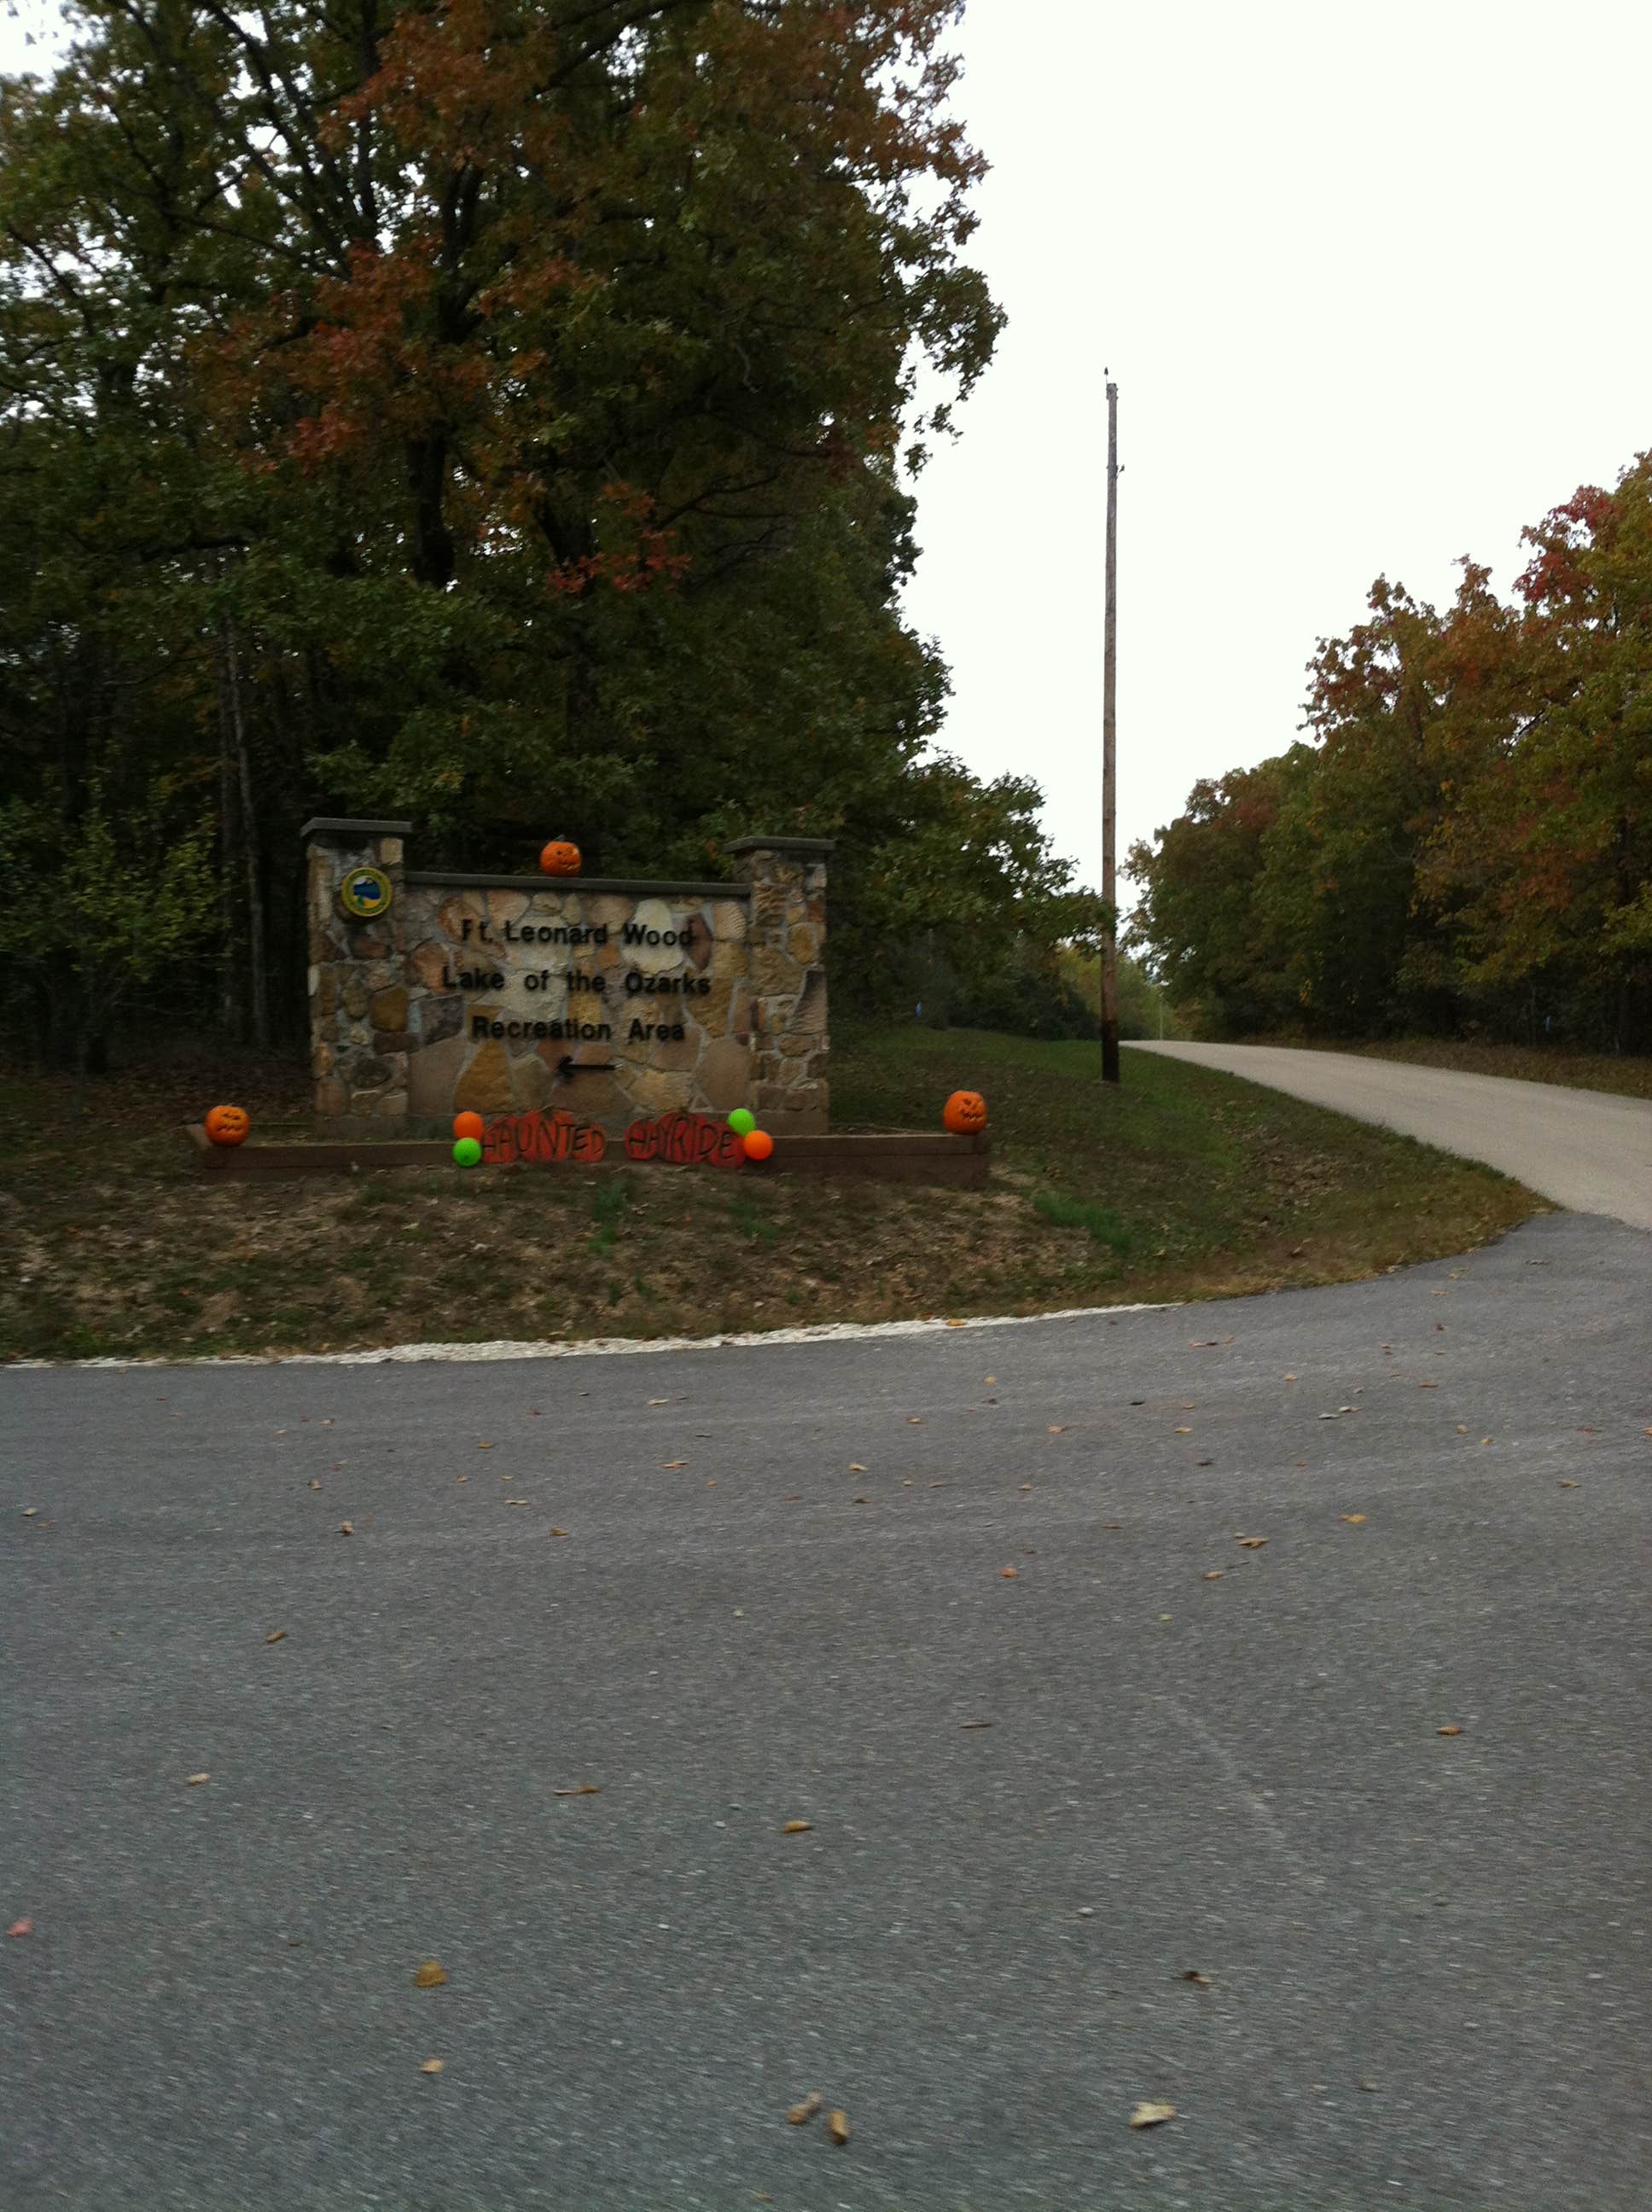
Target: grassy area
pixel 1629 1074
pixel 1181 1184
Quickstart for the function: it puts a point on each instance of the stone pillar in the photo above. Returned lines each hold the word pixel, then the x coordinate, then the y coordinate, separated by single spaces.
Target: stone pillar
pixel 359 1040
pixel 788 979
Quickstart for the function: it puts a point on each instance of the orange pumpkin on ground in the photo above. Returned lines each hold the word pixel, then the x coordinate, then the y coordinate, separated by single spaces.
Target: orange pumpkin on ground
pixel 229 1125
pixel 559 858
pixel 964 1113
pixel 470 1125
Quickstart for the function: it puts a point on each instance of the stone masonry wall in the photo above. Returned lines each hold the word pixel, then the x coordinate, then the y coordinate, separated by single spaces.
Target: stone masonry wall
pixel 787 877
pixel 410 1025
pixel 359 1044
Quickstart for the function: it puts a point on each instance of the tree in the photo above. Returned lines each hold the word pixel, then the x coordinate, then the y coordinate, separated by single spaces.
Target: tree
pixel 502 405
pixel 1470 842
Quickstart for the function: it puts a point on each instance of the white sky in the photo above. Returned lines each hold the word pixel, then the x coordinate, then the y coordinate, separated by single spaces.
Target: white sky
pixel 1372 281
pixel 1373 284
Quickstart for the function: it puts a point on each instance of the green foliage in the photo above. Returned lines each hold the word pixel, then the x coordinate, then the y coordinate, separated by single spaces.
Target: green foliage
pixel 1469 845
pixel 98 908
pixel 1065 1213
pixel 491 416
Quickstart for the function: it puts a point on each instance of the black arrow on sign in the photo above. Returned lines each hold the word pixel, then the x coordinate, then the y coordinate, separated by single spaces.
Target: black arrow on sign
pixel 568 1065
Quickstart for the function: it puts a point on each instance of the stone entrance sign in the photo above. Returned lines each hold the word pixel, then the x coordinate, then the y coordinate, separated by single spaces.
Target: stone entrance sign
pixel 615 1000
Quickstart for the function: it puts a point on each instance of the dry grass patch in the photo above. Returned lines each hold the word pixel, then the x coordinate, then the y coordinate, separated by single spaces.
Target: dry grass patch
pixel 1181 1184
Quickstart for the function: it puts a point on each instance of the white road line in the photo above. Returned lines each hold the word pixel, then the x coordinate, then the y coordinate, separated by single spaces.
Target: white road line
pixel 837 1332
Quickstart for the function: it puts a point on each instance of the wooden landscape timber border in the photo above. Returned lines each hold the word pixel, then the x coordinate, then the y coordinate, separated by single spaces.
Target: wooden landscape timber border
pixel 899 1156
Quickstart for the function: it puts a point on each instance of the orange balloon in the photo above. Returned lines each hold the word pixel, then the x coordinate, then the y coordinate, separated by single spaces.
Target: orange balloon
pixel 756 1144
pixel 469 1125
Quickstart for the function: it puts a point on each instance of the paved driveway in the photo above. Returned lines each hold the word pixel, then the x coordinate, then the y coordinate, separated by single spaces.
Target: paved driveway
pixel 1038 1801
pixel 1584 1149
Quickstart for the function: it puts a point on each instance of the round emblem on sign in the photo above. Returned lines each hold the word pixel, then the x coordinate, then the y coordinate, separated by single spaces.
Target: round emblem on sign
pixel 366 892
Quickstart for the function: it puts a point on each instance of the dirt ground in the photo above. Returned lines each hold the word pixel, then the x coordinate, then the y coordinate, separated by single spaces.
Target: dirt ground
pixel 1178 1184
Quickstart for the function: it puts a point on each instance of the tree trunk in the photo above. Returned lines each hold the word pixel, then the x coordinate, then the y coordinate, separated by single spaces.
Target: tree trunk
pixel 228 1003
pixel 257 965
pixel 427 477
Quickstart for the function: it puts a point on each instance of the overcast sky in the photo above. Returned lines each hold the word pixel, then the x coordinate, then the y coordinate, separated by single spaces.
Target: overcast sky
pixel 1373 284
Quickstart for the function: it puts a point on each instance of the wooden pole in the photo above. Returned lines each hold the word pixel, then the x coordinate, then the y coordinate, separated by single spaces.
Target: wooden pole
pixel 1109 750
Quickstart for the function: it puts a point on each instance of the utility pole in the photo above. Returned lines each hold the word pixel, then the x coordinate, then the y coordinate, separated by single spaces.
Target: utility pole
pixel 1109 750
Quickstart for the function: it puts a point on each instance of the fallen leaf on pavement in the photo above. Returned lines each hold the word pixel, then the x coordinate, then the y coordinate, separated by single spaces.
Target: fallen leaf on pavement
pixel 838 2122
pixel 1251 1543
pixel 277 1635
pixel 672 1465
pixel 484 1447
pixel 1152 2116
pixel 430 1976
pixel 315 1485
pixel 1201 1343
pixel 346 1528
pixel 29 1512
pixel 195 1780
pixel 1354 1520
pixel 559 1532
pixel 1203 1980
pixel 1568 1485
pixel 796 1827
pixel 855 1468
pixel 659 1401
pixel 518 1501
pixel 974 1724
pixel 1486 1440
pixel 800 2115
pixel 1216 1574
pixel 1058 1428
pixel 431 2066
pixel 1184 1432
pixel 914 1420
pixel 581 1790
pixel 1428 1386
pixel 861 1501
pixel 1453 1729
pixel 990 1379
pixel 20 1928
pixel 1008 1574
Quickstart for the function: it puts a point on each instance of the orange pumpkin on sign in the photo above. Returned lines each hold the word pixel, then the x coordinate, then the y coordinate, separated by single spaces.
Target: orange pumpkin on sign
pixel 964 1113
pixel 560 857
pixel 229 1125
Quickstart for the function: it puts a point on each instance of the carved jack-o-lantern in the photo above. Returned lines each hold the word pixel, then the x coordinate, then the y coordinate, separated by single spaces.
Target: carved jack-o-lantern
pixel 229 1125
pixel 964 1113
pixel 559 858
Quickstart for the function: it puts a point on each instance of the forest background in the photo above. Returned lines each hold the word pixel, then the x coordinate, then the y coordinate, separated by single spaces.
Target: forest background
pixel 506 417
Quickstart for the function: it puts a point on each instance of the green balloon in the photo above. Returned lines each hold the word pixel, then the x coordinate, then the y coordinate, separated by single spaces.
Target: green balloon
pixel 742 1121
pixel 467 1152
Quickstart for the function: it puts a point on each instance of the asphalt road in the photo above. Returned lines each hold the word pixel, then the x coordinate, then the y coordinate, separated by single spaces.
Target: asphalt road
pixel 1585 1149
pixel 1426 1955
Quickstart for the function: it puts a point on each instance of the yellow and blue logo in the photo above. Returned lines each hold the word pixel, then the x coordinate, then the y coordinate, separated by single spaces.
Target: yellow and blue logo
pixel 366 893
